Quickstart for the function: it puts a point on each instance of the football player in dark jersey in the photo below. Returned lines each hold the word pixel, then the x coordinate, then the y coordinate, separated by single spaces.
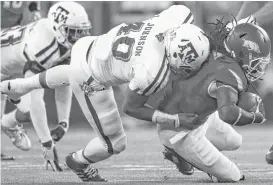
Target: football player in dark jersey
pixel 216 87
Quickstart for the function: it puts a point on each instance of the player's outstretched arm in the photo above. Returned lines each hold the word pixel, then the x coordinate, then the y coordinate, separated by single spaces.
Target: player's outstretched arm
pixel 263 15
pixel 38 112
pixel 135 106
pixel 63 99
pixel 229 112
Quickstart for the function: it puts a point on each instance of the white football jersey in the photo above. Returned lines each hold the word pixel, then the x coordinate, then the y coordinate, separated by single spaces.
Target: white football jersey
pixel 135 53
pixel 34 43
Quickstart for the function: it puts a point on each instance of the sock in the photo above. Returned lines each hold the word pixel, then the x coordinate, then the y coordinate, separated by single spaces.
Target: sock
pixel 54 77
pixel 9 120
pixel 94 151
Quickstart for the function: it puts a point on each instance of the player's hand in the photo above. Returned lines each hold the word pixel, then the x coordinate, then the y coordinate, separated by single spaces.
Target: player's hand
pixel 189 121
pixel 258 118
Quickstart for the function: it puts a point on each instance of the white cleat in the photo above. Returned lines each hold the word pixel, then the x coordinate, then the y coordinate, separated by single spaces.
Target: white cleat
pixel 216 180
pixel 18 137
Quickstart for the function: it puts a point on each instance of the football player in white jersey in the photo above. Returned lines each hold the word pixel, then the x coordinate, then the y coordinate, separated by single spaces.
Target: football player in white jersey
pixel 17 13
pixel 37 47
pixel 137 54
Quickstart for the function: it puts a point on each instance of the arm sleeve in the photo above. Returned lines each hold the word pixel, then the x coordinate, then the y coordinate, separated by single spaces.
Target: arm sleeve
pixel 63 99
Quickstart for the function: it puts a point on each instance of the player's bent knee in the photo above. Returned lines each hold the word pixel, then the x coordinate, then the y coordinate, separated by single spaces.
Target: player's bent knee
pixel 206 152
pixel 22 117
pixel 119 141
pixel 233 142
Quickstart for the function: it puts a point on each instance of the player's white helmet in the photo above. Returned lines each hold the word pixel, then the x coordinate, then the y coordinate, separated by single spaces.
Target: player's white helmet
pixel 187 49
pixel 70 22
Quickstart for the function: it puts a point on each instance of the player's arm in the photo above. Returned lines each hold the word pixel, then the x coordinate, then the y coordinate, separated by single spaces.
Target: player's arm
pixel 228 86
pixel 38 112
pixel 63 99
pixel 135 104
pixel 263 15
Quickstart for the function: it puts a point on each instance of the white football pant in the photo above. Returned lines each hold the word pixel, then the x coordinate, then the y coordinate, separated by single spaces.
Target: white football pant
pixel 201 147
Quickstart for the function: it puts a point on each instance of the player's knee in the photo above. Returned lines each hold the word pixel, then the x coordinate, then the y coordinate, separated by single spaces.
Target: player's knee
pixel 206 152
pixel 119 141
pixel 120 145
pixel 233 142
pixel 22 117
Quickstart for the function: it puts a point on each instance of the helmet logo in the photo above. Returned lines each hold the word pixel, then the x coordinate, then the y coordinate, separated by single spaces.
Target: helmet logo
pixel 60 15
pixel 187 53
pixel 252 46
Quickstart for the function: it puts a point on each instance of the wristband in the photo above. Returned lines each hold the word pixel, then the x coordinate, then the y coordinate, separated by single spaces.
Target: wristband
pixel 161 117
pixel 254 117
pixel 239 116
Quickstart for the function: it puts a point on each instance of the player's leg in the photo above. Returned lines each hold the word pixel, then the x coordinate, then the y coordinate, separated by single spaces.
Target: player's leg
pixel 101 111
pixel 222 135
pixel 10 124
pixel 52 78
pixel 200 152
pixel 3 105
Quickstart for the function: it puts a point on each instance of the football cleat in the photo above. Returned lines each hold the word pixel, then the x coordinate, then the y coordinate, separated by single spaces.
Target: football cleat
pixel 5 157
pixel 269 156
pixel 18 137
pixel 50 156
pixel 215 179
pixel 58 132
pixel 86 172
pixel 183 166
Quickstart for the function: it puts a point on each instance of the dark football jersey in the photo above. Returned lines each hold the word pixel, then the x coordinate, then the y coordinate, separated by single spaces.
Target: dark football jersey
pixel 195 95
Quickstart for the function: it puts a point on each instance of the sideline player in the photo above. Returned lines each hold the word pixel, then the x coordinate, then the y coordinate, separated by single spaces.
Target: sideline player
pixel 37 47
pixel 217 87
pixel 137 53
pixel 17 13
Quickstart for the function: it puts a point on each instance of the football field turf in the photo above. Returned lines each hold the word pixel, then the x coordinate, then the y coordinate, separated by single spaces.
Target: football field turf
pixel 141 163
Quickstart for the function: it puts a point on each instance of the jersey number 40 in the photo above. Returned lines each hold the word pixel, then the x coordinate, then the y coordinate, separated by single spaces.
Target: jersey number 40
pixel 128 42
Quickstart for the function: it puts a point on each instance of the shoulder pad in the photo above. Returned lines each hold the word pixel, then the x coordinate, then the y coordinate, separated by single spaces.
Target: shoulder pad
pixel 172 17
pixel 233 77
pixel 147 82
pixel 41 45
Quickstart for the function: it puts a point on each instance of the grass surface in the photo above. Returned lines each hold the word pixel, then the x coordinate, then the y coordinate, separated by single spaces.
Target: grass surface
pixel 141 163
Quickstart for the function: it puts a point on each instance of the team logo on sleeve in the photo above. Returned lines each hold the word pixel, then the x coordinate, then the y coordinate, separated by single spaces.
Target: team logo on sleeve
pixel 60 15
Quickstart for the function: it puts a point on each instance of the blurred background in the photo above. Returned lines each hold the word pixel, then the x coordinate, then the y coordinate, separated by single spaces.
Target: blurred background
pixel 105 15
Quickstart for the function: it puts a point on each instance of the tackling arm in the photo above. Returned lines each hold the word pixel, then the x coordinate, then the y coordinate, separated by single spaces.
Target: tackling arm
pixel 135 106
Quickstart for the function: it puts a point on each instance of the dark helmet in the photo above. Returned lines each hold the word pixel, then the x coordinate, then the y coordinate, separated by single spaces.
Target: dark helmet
pixel 250 45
